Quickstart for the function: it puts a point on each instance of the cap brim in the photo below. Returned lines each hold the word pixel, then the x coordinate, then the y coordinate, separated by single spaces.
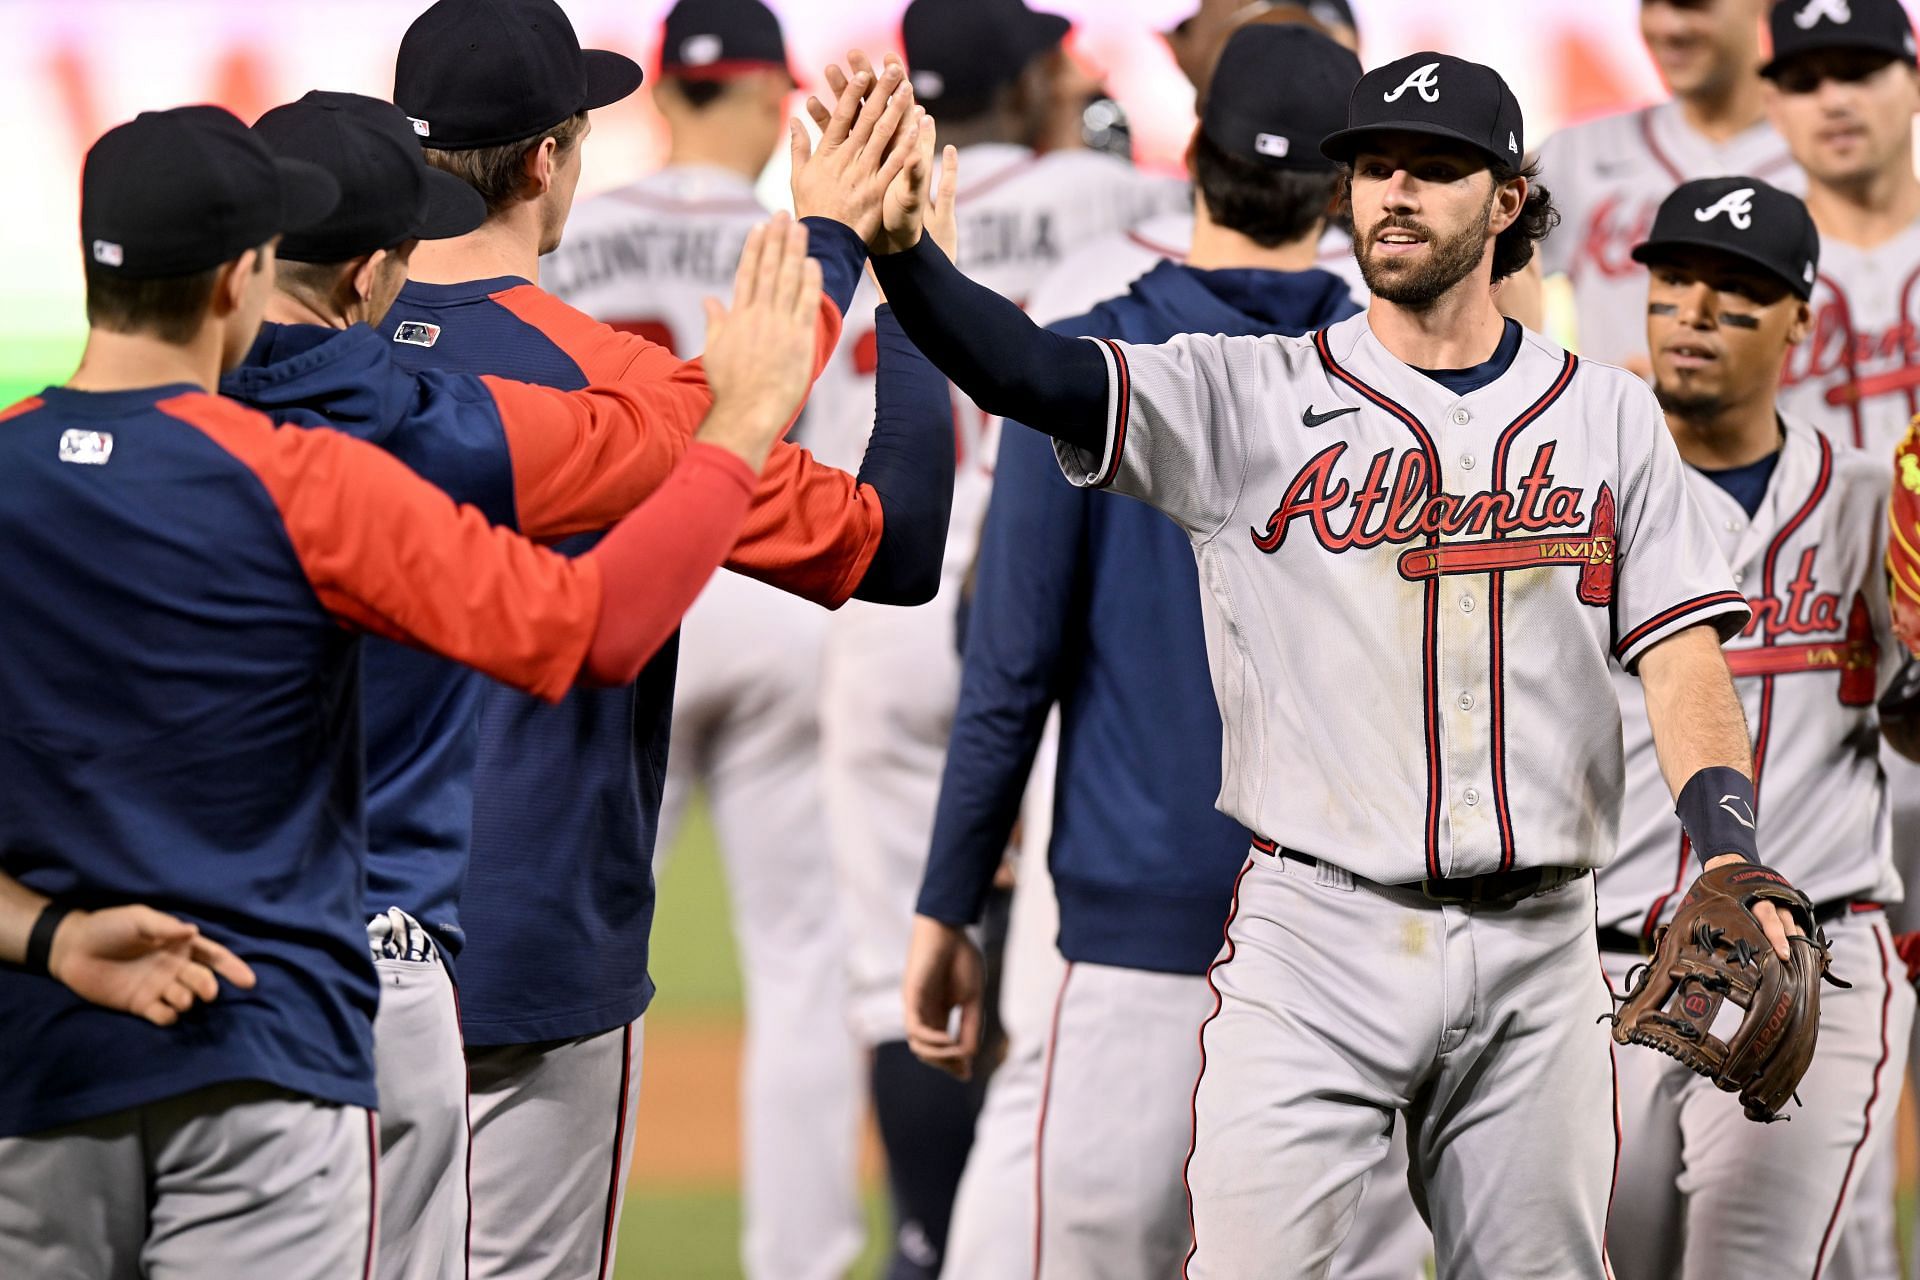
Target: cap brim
pixel 1345 143
pixel 453 208
pixel 308 193
pixel 610 77
pixel 733 69
pixel 1839 38
pixel 1652 251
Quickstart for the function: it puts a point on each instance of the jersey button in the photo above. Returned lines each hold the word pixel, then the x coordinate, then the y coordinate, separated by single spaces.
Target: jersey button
pixel 1466 702
pixel 1733 526
pixel 1471 796
pixel 1466 604
pixel 1466 462
pixel 1461 417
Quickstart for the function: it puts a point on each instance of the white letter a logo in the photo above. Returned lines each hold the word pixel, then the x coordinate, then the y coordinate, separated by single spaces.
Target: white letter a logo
pixel 1426 80
pixel 1737 205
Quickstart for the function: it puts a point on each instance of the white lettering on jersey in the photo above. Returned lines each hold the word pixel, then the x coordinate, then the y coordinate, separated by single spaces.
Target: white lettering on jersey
pixel 1814 10
pixel 86 448
pixel 1737 205
pixel 1426 80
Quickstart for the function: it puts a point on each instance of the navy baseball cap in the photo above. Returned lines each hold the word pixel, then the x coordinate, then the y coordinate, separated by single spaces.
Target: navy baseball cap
pixel 959 52
pixel 720 39
pixel 170 193
pixel 388 192
pixel 1438 95
pixel 483 73
pixel 1814 26
pixel 1275 93
pixel 1742 218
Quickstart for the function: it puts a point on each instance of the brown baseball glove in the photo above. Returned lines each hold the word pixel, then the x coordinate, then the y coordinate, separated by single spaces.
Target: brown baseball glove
pixel 1715 955
pixel 1903 539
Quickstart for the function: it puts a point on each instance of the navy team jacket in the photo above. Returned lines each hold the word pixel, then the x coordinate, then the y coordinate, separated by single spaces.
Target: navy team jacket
pixel 1093 601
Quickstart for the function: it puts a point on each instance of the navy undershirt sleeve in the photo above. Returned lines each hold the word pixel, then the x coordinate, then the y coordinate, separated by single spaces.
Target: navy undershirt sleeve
pixel 1004 362
pixel 840 253
pixel 909 462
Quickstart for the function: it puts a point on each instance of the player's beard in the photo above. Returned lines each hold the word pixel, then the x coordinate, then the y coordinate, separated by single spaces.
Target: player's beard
pixel 1689 406
pixel 1418 285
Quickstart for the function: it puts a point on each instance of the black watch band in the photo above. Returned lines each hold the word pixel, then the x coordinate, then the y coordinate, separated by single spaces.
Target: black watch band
pixel 40 940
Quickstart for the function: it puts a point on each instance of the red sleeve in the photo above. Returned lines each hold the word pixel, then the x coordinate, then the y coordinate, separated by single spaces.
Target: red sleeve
pixel 656 561
pixel 812 531
pixel 583 459
pixel 387 552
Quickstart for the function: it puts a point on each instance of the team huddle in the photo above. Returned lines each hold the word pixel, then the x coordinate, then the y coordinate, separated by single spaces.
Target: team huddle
pixel 1456 814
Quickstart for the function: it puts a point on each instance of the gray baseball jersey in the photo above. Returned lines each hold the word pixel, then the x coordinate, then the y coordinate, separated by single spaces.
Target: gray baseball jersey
pixel 1813 660
pixel 1856 376
pixel 1608 176
pixel 1412 596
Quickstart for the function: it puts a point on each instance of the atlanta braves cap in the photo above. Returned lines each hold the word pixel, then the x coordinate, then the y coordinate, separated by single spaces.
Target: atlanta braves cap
pixel 1742 218
pixel 388 192
pixel 173 192
pixel 1812 26
pixel 1438 95
pixel 719 39
pixel 959 52
pixel 1275 93
pixel 482 73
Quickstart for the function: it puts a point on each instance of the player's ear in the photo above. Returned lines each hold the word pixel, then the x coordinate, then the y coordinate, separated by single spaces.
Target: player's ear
pixel 1802 324
pixel 365 274
pixel 1186 158
pixel 1509 200
pixel 540 163
pixel 232 280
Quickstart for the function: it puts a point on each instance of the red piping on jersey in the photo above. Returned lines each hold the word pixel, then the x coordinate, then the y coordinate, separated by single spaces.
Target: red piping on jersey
pixel 1673 171
pixel 1430 625
pixel 1040 1123
pixel 1648 925
pixel 25 406
pixel 1661 619
pixel 1123 397
pixel 1186 1169
pixel 373 1191
pixel 1496 694
pixel 1613 1184
pixel 1873 1096
pixel 619 1141
pixel 1154 246
pixel 1820 484
pixel 1848 356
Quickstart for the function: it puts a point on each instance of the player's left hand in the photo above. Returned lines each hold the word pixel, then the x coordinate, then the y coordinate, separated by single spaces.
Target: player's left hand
pixel 1779 925
pixel 865 141
pixel 141 961
pixel 945 973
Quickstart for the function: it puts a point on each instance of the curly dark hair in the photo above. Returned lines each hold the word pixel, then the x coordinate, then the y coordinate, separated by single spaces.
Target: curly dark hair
pixel 1513 248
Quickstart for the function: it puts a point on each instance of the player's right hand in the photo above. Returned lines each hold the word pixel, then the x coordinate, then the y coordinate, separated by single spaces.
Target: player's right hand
pixel 760 352
pixel 141 961
pixel 945 973
pixel 865 140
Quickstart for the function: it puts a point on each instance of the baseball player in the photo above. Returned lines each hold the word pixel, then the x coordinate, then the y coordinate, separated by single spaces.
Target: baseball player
pixel 1843 91
pixel 1609 175
pixel 559 898
pixel 1098 602
pixel 1424 533
pixel 746 720
pixel 1801 520
pixel 191 580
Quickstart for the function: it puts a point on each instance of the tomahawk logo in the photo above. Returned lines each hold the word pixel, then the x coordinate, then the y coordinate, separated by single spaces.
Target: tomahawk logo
pixel 1737 205
pixel 1814 10
pixel 1426 80
pixel 1738 808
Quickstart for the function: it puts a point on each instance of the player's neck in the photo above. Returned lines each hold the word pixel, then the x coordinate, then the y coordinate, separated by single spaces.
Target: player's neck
pixel 1869 211
pixel 1218 248
pixel 710 148
pixel 130 361
pixel 506 244
pixel 1461 329
pixel 287 308
pixel 1736 436
pixel 1726 111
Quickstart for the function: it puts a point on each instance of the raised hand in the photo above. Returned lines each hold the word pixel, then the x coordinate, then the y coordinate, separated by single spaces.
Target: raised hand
pixel 865 141
pixel 760 352
pixel 914 201
pixel 141 961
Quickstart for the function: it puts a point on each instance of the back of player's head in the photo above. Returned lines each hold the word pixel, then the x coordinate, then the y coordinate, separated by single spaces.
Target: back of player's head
pixel 963 54
pixel 169 199
pixel 1276 91
pixel 708 45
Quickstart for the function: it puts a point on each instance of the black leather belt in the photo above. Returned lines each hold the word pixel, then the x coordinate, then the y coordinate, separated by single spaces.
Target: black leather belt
pixel 1621 942
pixel 1493 889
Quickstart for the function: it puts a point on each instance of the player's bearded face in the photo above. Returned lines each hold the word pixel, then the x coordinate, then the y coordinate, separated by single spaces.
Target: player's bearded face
pixel 1419 277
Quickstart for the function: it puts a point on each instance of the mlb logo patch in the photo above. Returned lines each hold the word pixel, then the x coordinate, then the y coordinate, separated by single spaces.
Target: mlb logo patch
pixel 107 253
pixel 86 448
pixel 417 333
pixel 420 126
pixel 1271 144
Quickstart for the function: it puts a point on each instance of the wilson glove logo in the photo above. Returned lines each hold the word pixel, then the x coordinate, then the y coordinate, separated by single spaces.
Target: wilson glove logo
pixel 1426 80
pixel 1737 205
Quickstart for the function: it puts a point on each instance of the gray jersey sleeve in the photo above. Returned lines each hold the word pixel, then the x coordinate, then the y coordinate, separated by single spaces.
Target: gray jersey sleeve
pixel 1669 571
pixel 1177 427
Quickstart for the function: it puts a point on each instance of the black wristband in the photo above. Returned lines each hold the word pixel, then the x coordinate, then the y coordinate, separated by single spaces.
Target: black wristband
pixel 40 938
pixel 1716 810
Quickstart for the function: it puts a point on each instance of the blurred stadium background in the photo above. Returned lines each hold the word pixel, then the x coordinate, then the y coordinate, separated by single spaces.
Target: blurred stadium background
pixel 71 68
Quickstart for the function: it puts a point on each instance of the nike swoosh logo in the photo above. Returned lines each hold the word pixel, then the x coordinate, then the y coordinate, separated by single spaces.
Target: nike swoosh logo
pixel 1311 419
